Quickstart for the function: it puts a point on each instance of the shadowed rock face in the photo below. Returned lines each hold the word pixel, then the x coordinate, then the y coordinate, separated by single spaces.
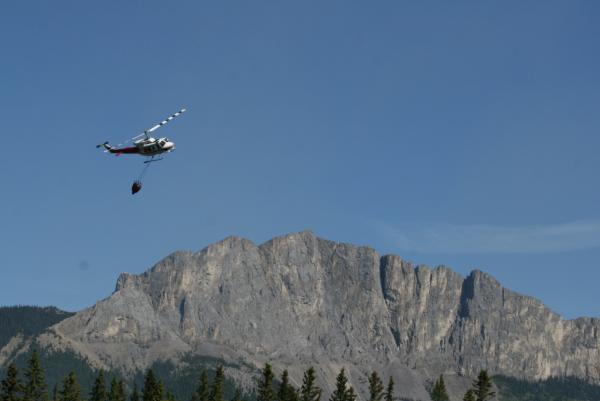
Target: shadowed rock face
pixel 302 300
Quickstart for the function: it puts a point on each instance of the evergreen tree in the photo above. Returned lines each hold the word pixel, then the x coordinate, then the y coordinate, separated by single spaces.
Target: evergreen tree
pixel 135 394
pixel 170 396
pixel 160 389
pixel 342 392
pixel 482 387
pixel 11 389
pixel 375 387
pixel 309 391
pixel 117 390
pixel 286 392
pixel 202 392
pixel 350 394
pixel 216 393
pixel 389 393
pixel 35 383
pixel 265 391
pixel 153 389
pixel 71 391
pixel 469 396
pixel 98 392
pixel 439 391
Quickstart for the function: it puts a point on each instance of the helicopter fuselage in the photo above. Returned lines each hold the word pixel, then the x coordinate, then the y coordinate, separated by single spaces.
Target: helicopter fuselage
pixel 152 147
pixel 145 147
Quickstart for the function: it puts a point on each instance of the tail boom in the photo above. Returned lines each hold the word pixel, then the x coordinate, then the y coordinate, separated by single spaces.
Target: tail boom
pixel 118 151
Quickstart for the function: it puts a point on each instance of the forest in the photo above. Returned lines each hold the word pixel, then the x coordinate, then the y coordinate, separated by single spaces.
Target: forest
pixel 30 385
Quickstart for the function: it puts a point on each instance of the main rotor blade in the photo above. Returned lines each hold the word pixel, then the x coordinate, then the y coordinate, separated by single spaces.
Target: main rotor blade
pixel 157 126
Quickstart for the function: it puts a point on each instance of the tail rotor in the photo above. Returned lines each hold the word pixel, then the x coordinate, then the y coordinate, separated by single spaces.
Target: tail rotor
pixel 104 145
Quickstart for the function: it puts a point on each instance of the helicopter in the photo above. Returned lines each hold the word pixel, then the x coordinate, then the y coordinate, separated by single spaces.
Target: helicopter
pixel 144 145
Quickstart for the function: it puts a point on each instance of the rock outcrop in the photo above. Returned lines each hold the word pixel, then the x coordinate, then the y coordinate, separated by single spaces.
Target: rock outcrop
pixel 299 300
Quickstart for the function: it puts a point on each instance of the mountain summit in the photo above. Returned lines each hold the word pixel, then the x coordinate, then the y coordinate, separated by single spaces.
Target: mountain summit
pixel 299 300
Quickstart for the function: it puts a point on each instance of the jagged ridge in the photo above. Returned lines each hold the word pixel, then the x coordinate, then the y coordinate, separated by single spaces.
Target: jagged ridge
pixel 300 300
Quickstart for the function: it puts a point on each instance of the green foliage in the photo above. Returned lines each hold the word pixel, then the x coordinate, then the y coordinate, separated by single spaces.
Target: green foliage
pixel 216 393
pixel 57 365
pixel 389 392
pixel 35 380
pixel 342 391
pixel 339 394
pixel 350 394
pixel 202 392
pixel 71 391
pixel 265 390
pixel 117 390
pixel 182 379
pixel 27 320
pixel 482 387
pixel 99 392
pixel 375 387
pixel 286 392
pixel 309 391
pixel 12 388
pixel 439 392
pixel 153 388
pixel 552 389
pixel 469 395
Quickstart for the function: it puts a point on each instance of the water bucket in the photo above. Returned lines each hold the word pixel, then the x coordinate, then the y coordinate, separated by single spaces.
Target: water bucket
pixel 135 187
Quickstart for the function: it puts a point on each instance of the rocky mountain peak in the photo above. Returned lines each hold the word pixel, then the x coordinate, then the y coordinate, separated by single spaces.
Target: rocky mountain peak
pixel 302 300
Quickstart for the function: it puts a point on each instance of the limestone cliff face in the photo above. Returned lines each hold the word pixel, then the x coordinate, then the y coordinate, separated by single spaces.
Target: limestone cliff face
pixel 301 300
pixel 440 319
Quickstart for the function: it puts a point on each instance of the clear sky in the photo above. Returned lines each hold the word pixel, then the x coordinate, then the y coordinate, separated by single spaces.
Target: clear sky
pixel 456 133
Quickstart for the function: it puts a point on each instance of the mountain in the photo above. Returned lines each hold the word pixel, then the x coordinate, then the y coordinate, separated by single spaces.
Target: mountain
pixel 298 300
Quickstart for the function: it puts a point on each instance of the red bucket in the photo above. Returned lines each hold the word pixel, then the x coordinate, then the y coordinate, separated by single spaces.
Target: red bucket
pixel 135 187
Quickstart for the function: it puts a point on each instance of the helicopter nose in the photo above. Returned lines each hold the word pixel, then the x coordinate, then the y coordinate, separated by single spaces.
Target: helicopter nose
pixel 169 146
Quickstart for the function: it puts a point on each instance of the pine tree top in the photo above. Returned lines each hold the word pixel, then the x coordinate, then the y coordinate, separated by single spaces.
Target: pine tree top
pixel 375 387
pixel 389 393
pixel 309 391
pixel 216 393
pixel 71 391
pixel 35 386
pixel 482 387
pixel 11 388
pixel 341 392
pixel 265 391
pixel 439 392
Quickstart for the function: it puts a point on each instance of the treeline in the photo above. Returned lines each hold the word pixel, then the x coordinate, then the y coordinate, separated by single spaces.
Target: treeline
pixel 551 389
pixel 28 320
pixel 31 386
pixel 481 390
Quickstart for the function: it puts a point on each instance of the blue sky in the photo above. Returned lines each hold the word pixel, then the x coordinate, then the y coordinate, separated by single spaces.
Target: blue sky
pixel 456 133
